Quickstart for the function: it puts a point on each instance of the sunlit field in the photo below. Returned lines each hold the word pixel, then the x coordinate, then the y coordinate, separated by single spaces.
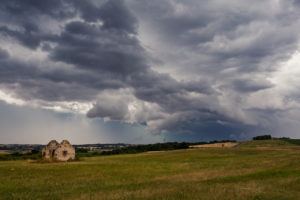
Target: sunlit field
pixel 245 172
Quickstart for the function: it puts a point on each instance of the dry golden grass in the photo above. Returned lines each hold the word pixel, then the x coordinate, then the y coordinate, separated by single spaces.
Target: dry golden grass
pixel 216 145
pixel 4 152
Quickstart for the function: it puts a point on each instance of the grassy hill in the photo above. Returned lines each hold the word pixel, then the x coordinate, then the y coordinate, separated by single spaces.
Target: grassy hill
pixel 293 141
pixel 208 173
pixel 271 143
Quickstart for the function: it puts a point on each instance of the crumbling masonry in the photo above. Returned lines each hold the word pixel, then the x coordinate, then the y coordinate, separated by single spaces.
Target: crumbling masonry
pixel 59 152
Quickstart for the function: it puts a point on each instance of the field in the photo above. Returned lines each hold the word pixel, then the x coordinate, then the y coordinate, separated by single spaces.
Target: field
pixel 3 152
pixel 245 172
pixel 220 145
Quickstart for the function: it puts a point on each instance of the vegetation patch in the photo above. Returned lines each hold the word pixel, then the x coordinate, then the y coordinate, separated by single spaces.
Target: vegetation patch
pixel 292 141
pixel 274 142
pixel 263 137
pixel 19 155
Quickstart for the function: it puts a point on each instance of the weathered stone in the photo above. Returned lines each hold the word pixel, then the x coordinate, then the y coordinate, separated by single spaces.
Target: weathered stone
pixel 60 152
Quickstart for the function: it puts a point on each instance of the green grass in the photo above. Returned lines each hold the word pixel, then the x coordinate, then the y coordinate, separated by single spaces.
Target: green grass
pixel 293 141
pixel 271 143
pixel 212 173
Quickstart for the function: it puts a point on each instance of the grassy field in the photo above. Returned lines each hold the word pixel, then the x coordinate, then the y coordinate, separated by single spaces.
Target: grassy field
pixel 265 143
pixel 245 172
pixel 4 152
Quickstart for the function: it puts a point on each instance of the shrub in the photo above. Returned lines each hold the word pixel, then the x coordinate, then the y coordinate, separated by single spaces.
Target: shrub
pixel 263 137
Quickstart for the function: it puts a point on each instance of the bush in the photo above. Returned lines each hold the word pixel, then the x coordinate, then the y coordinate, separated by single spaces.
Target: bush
pixel 263 137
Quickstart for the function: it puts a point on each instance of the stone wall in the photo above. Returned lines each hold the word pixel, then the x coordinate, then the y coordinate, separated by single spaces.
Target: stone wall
pixel 49 150
pixel 60 152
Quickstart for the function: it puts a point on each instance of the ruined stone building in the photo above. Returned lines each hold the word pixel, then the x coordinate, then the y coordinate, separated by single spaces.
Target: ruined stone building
pixel 60 152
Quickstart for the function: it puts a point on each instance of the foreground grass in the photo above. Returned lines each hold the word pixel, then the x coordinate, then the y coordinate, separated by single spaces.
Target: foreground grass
pixel 240 173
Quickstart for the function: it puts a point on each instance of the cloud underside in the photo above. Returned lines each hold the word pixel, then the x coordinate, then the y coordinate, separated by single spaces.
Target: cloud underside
pixel 167 65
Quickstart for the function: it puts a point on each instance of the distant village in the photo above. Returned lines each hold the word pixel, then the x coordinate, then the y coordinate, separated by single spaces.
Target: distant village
pixel 88 147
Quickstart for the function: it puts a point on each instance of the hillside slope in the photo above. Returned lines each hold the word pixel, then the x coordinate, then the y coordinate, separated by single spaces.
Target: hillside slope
pixel 271 143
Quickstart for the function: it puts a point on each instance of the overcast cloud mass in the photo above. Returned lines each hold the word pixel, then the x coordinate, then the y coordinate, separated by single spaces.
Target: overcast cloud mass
pixel 184 70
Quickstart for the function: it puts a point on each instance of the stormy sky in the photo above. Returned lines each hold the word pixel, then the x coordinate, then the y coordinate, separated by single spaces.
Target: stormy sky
pixel 138 71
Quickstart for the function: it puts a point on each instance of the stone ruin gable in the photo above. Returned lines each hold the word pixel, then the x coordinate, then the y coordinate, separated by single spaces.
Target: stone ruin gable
pixel 60 152
pixel 49 150
pixel 65 151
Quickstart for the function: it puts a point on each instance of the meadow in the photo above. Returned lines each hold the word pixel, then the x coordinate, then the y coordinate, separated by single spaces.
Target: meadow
pixel 254 170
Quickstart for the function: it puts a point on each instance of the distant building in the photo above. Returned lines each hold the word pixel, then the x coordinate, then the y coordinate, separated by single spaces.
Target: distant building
pixel 60 152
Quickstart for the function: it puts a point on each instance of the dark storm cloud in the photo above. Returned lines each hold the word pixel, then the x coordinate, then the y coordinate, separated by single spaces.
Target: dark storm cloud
pixel 19 10
pixel 26 14
pixel 29 38
pixel 110 13
pixel 3 54
pixel 242 32
pixel 114 14
pixel 237 44
pixel 100 52
pixel 106 54
pixel 54 85
pixel 21 19
pixel 93 51
pixel 116 52
pixel 297 2
pixel 246 85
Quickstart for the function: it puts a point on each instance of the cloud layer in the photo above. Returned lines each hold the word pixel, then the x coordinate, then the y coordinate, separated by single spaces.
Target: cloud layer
pixel 170 65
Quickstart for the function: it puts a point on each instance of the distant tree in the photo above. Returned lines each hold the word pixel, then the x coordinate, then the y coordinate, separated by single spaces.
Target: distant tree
pixel 80 150
pixel 34 151
pixel 148 147
pixel 262 137
pixel 16 153
pixel 284 138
